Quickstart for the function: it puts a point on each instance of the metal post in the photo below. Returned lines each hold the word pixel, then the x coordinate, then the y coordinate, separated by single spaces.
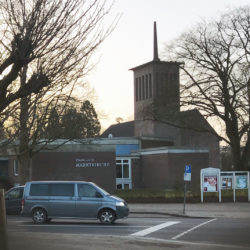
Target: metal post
pixel 201 186
pixel 248 180
pixel 234 180
pixel 185 188
pixel 3 228
pixel 219 187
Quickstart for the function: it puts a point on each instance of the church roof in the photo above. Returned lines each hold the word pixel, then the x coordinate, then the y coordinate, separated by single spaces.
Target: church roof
pixel 156 62
pixel 125 129
pixel 193 119
pixel 190 119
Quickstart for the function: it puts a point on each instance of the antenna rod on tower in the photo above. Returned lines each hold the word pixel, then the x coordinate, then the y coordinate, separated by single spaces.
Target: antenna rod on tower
pixel 156 58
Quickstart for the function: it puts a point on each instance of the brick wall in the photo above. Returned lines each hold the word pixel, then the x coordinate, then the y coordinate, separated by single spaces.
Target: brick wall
pixel 97 167
pixel 166 171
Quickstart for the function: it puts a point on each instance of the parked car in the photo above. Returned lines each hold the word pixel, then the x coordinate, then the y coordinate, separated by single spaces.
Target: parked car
pixel 45 200
pixel 13 200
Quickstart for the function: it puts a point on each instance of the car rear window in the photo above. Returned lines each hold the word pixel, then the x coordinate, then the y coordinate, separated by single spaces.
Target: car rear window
pixel 39 189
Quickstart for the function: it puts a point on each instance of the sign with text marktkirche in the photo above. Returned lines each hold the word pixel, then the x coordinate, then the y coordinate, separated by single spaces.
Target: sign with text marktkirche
pixel 91 162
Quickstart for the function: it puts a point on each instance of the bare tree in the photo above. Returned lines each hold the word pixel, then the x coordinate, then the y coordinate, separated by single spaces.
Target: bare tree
pixel 31 120
pixel 216 77
pixel 54 39
pixel 45 48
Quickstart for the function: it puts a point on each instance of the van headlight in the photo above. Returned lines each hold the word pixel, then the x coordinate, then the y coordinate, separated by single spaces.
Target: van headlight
pixel 120 204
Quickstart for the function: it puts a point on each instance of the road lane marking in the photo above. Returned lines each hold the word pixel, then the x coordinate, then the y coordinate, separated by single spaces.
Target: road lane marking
pixel 191 229
pixel 190 243
pixel 155 228
pixel 79 226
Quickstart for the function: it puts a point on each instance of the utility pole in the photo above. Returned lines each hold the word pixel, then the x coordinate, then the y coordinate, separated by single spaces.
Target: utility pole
pixel 3 228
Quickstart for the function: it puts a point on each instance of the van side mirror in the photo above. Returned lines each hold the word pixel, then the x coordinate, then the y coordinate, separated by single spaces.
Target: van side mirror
pixel 98 195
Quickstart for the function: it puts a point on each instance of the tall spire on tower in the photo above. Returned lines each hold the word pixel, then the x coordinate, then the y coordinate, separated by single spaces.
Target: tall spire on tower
pixel 156 58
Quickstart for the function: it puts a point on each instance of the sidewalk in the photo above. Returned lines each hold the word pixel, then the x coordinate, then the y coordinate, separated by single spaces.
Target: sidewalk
pixel 210 210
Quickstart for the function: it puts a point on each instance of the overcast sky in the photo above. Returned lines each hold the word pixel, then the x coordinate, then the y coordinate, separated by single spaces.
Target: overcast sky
pixel 131 44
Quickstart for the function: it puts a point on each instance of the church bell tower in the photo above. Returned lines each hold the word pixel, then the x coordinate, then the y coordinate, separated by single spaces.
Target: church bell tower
pixel 155 82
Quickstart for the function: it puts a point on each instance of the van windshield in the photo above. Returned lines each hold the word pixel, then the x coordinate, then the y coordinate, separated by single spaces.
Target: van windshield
pixel 102 190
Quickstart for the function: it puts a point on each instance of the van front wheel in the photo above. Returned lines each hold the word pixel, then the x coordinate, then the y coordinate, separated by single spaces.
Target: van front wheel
pixel 39 216
pixel 106 216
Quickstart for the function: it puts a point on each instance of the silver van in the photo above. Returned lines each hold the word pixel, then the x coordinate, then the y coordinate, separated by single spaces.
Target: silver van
pixel 45 200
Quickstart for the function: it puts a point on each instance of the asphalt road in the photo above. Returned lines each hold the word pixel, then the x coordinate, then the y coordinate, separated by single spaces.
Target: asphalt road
pixel 145 232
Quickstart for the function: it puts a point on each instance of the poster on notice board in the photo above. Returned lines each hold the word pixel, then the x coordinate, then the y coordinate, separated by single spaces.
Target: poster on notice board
pixel 210 184
pixel 226 182
pixel 241 182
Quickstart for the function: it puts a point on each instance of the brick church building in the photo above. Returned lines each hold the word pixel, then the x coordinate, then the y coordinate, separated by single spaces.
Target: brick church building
pixel 157 86
pixel 144 153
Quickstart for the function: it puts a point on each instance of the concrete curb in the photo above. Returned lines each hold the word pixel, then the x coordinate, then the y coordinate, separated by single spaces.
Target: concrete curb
pixel 199 210
pixel 171 214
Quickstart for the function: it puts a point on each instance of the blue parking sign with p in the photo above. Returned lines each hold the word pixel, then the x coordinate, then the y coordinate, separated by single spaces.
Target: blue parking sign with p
pixel 188 169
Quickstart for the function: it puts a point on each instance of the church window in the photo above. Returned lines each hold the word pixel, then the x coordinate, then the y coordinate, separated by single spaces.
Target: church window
pixel 157 84
pixel 143 88
pixel 166 83
pixel 146 78
pixel 150 85
pixel 16 168
pixel 172 78
pixel 176 76
pixel 162 85
pixel 139 88
pixel 136 89
pixel 123 173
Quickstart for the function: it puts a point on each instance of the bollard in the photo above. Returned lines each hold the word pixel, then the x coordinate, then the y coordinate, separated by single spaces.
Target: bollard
pixel 3 226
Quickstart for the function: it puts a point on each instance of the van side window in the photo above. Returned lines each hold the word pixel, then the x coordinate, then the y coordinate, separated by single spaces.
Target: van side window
pixel 85 190
pixel 39 189
pixel 62 189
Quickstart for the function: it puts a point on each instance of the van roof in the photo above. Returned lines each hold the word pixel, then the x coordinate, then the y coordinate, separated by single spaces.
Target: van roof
pixel 59 182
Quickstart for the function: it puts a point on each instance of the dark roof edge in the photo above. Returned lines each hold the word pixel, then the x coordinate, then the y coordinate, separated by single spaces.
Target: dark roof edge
pixel 156 62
